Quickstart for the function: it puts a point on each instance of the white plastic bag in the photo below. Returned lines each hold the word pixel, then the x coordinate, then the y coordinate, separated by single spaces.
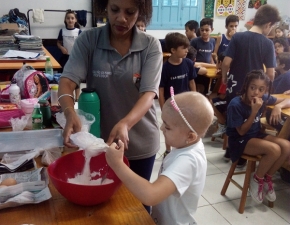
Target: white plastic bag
pixel 50 155
pixel 93 145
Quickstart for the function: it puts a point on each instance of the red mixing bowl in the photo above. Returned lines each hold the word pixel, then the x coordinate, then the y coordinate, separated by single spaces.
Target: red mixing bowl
pixel 70 165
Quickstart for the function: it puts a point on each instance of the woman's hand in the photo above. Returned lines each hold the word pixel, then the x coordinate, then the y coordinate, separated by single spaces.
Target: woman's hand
pixel 119 132
pixel 275 117
pixel 115 154
pixel 73 125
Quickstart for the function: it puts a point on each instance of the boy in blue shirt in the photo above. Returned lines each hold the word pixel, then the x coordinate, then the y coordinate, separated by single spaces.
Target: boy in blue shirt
pixel 249 50
pixel 205 46
pixel 191 28
pixel 222 42
pixel 178 71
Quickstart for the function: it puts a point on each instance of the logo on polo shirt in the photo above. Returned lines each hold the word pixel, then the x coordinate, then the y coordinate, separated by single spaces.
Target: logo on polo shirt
pixel 101 74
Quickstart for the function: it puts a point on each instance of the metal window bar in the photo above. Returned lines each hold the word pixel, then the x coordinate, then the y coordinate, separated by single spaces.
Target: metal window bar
pixel 48 10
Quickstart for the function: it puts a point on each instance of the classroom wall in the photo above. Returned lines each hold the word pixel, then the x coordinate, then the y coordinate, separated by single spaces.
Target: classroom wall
pixel 54 20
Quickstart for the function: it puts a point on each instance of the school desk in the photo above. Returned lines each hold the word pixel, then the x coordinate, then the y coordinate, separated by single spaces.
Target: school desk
pixel 16 64
pixel 121 208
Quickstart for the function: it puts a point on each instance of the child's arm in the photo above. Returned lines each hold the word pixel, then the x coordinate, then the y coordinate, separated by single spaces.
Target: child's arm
pixel 281 103
pixel 216 48
pixel 256 104
pixel 287 92
pixel 148 193
pixel 161 97
pixel 200 64
pixel 225 68
pixel 192 85
pixel 62 49
pixel 271 73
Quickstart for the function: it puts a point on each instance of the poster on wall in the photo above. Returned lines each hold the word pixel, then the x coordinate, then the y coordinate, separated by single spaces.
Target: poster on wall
pixel 256 3
pixel 241 9
pixel 225 7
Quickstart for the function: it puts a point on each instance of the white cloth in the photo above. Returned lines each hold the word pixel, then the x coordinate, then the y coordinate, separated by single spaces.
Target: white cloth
pixel 186 167
pixel 38 15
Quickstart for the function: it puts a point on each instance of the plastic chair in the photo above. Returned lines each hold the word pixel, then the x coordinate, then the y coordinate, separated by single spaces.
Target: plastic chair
pixel 251 166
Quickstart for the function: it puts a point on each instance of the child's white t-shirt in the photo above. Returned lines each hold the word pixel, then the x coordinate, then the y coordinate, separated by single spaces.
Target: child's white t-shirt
pixel 187 169
pixel 69 37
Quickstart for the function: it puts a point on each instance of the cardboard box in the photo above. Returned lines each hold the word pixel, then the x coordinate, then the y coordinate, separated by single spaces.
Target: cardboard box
pixel 8 28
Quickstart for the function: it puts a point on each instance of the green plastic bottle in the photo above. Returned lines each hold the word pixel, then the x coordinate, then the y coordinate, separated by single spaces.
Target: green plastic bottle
pixel 89 102
pixel 37 118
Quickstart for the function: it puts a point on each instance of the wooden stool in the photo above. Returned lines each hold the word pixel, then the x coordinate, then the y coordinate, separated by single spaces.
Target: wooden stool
pixel 251 166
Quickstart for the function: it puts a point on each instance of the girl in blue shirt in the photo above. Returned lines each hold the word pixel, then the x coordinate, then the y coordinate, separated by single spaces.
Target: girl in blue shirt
pixel 243 128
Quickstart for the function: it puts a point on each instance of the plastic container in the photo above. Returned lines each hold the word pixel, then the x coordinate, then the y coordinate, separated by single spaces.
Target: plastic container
pixel 14 93
pixel 89 102
pixel 37 118
pixel 54 95
pixel 46 113
pixel 48 66
pixel 27 105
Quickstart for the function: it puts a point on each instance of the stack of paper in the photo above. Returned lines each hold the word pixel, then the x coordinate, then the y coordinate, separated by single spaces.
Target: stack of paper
pixel 21 54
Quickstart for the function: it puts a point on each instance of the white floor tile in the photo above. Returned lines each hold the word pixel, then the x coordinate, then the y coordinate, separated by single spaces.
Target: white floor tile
pixel 254 214
pixel 211 169
pixel 218 160
pixel 202 202
pixel 208 215
pixel 213 187
pixel 282 203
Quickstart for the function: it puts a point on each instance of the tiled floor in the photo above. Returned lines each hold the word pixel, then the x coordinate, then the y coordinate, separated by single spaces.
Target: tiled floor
pixel 223 210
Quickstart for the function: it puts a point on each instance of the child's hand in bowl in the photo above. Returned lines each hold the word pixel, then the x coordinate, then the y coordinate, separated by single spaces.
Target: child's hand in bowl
pixel 114 154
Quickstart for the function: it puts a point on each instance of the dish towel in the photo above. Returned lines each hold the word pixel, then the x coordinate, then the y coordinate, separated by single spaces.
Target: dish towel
pixel 82 17
pixel 38 15
pixel 241 9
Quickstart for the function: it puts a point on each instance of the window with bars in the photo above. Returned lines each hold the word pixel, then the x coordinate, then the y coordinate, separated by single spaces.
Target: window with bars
pixel 173 14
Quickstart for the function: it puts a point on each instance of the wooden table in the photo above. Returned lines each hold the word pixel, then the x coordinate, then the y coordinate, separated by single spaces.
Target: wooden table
pixel 36 64
pixel 122 208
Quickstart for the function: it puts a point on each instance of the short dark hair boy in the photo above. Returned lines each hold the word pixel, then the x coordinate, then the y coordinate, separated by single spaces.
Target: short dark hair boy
pixel 191 28
pixel 174 40
pixel 232 19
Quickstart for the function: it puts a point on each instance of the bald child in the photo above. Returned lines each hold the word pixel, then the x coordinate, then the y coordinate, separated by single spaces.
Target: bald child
pixel 174 195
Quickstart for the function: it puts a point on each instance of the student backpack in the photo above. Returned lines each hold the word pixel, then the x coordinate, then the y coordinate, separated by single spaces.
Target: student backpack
pixel 25 78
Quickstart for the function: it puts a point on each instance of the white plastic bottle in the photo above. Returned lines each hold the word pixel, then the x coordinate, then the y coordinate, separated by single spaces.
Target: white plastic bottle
pixel 54 95
pixel 48 66
pixel 14 93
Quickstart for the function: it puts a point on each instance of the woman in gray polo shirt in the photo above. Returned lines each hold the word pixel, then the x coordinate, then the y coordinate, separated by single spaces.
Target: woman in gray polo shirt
pixel 124 65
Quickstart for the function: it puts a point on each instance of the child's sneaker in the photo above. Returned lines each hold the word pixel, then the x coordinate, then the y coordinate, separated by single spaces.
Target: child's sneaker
pixel 220 131
pixel 268 188
pixel 227 156
pixel 242 163
pixel 256 188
